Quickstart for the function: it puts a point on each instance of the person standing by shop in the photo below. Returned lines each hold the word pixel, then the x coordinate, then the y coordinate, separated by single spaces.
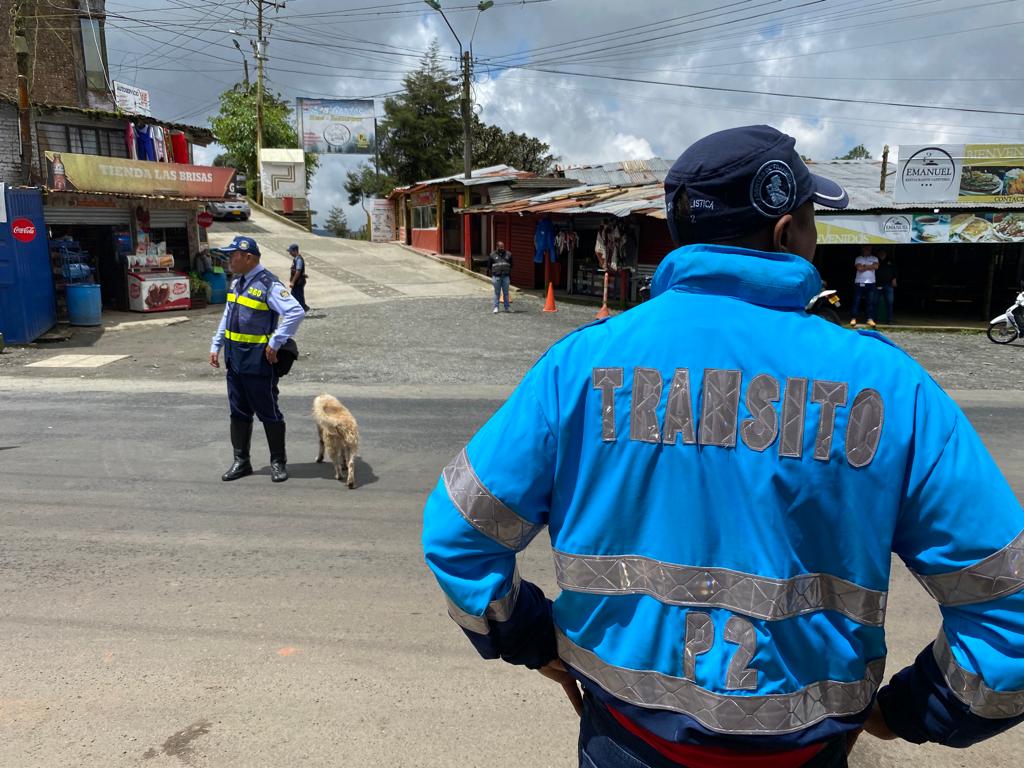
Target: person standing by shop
pixel 297 281
pixel 864 285
pixel 885 282
pixel 499 263
pixel 260 316
pixel 723 507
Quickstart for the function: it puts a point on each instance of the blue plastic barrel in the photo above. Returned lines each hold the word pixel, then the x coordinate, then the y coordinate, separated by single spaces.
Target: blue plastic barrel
pixel 218 286
pixel 85 305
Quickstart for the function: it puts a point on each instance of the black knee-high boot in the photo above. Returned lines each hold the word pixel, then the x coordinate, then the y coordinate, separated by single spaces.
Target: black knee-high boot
pixel 278 458
pixel 241 437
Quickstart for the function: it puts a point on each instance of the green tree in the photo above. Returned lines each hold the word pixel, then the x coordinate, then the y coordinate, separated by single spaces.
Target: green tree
pixel 421 127
pixel 235 128
pixel 860 152
pixel 493 146
pixel 337 222
pixel 364 182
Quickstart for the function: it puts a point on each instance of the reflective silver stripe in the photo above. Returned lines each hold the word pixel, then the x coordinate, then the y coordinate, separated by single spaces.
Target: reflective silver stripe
pixel 745 593
pixel 971 689
pixel 497 610
pixel 998 575
pixel 482 510
pixel 762 715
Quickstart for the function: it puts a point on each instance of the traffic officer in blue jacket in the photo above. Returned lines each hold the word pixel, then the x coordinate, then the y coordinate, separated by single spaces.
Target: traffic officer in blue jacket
pixel 723 477
pixel 260 316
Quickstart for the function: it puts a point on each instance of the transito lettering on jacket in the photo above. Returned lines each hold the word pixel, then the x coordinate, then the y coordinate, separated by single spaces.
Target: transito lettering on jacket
pixel 719 425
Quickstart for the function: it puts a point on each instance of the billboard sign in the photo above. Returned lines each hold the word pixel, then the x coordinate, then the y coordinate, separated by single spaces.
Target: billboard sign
pixel 382 221
pixel 132 100
pixel 925 228
pixel 67 172
pixel 337 126
pixel 961 173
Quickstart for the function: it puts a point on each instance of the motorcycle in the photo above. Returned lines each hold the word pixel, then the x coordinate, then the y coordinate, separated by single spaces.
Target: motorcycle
pixel 1006 327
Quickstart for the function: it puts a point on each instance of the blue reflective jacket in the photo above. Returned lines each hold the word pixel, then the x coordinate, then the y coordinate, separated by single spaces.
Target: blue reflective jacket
pixel 723 478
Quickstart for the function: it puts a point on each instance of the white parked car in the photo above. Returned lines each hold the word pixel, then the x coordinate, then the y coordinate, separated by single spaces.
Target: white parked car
pixel 230 208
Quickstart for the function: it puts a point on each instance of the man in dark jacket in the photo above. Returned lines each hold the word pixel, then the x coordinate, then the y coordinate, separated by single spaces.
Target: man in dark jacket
pixel 499 264
pixel 885 282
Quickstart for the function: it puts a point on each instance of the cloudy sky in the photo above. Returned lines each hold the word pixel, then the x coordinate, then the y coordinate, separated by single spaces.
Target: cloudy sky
pixel 604 80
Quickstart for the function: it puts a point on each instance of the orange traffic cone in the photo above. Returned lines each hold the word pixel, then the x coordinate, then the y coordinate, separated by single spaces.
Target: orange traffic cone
pixel 549 304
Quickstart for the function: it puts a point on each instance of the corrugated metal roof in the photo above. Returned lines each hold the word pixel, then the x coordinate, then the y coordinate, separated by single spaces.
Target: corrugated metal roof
pixel 597 199
pixel 492 174
pixel 545 182
pixel 624 173
pixel 860 178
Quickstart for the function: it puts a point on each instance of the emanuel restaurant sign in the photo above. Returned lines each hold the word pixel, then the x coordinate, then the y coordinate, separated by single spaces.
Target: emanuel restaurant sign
pixel 961 173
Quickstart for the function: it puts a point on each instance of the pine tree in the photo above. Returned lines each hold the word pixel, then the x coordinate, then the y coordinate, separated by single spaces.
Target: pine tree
pixel 337 222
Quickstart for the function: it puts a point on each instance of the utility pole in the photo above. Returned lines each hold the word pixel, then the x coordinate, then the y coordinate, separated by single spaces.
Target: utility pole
pixel 24 103
pixel 260 49
pixel 259 97
pixel 467 116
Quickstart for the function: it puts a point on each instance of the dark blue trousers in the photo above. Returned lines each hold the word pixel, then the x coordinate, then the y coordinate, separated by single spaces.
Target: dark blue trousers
pixel 606 744
pixel 250 396
pixel 299 292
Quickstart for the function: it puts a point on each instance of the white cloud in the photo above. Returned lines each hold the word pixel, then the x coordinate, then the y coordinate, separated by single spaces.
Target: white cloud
pixel 595 120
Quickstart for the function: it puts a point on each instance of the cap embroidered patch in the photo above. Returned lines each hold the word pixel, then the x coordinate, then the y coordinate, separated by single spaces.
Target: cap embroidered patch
pixel 773 189
pixel 243 245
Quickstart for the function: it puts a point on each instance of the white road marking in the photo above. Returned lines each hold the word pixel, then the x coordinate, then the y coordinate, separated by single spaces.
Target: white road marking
pixel 76 361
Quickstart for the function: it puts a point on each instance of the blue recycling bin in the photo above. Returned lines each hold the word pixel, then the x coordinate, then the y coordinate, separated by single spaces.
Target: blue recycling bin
pixel 85 304
pixel 28 306
pixel 218 286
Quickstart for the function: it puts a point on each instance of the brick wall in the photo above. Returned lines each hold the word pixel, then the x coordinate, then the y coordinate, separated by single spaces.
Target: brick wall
pixel 10 145
pixel 56 61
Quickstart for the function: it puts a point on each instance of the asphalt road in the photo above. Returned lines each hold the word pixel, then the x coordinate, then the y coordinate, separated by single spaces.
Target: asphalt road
pixel 155 616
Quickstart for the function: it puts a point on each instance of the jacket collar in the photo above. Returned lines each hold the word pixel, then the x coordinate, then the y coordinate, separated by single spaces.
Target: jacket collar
pixel 248 276
pixel 779 280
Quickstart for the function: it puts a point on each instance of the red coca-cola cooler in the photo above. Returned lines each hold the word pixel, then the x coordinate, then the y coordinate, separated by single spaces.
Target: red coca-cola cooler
pixel 158 291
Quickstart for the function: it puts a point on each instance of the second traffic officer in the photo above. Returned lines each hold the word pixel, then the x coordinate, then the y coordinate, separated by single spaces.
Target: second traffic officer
pixel 260 316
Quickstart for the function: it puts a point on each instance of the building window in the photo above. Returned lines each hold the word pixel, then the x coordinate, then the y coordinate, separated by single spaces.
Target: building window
pixel 424 217
pixel 92 46
pixel 81 139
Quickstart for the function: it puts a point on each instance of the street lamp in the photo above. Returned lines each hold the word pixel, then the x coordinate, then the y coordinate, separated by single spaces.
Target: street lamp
pixel 466 58
pixel 245 63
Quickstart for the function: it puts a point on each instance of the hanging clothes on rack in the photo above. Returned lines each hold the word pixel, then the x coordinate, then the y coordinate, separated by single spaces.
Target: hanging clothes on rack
pixel 544 240
pixel 129 140
pixel 601 246
pixel 144 142
pixel 159 145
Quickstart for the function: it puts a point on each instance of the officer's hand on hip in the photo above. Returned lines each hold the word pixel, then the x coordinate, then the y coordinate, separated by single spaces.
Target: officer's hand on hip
pixel 271 354
pixel 555 670
pixel 877 726
pixel 215 359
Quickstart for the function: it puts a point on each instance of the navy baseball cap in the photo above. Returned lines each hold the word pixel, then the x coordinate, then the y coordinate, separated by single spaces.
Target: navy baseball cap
pixel 742 179
pixel 246 244
pixel 293 247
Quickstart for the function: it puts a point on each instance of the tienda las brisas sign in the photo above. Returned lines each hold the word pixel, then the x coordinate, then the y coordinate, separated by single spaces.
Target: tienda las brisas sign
pixel 92 173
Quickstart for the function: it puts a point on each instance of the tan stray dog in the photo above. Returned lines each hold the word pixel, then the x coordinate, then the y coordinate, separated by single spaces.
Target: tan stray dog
pixel 339 434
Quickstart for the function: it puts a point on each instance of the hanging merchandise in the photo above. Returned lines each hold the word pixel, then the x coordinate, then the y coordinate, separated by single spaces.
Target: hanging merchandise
pixel 627 249
pixel 601 246
pixel 566 241
pixel 180 147
pixel 129 140
pixel 144 142
pixel 159 145
pixel 544 240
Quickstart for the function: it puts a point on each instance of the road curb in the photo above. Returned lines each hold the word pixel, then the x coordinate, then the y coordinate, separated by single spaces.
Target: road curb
pixel 277 216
